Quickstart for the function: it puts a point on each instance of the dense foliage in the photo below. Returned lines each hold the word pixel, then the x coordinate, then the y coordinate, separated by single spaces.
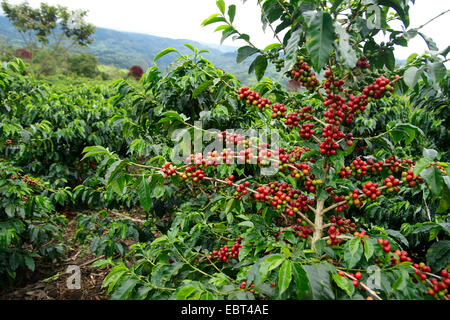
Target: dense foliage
pixel 356 208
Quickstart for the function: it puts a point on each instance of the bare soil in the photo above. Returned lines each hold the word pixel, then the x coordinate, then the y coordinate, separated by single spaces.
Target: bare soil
pixel 49 280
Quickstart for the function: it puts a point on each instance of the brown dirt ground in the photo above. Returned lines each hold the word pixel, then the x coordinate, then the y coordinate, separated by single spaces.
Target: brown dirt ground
pixel 49 281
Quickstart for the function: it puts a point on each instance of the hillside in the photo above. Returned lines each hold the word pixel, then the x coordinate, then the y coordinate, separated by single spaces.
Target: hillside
pixel 124 49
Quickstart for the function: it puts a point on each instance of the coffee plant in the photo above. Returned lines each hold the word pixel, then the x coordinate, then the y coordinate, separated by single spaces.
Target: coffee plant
pixel 335 186
pixel 357 180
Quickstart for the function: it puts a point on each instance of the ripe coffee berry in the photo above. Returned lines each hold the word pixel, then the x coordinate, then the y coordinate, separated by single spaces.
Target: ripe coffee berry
pixel 307 130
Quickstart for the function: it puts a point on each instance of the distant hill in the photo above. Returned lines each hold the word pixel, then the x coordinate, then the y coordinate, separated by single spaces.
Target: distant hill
pixel 124 49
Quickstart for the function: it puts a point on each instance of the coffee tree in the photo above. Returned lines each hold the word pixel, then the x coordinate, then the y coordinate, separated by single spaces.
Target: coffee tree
pixel 288 214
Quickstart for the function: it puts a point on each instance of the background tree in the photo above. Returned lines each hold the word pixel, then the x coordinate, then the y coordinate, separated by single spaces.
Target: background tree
pixel 83 64
pixel 49 23
pixel 136 72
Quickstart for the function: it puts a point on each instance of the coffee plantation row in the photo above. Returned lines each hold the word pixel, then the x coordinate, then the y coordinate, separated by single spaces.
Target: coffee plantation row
pixel 345 196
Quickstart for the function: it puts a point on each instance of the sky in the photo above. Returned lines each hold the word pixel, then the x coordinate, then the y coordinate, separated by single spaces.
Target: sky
pixel 181 19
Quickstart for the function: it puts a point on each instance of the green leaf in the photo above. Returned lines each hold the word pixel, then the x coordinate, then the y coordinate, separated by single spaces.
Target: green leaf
pixel 430 42
pixel 412 75
pixel 433 178
pixel 259 65
pixel 186 292
pixel 284 277
pixel 429 153
pixel 336 5
pixel 319 281
pixel 95 150
pixel 231 12
pixel 272 46
pixel 444 204
pixel 401 281
pixel 438 255
pixel 202 87
pixel 301 281
pixel 344 283
pixel 353 252
pixel 29 262
pixel 158 191
pixel 291 49
pixel 221 5
pixel 213 19
pixel 245 52
pixel 245 250
pixel 421 164
pixel 269 264
pixel 164 52
pixel 398 236
pixel 368 249
pixel 124 290
pixel 437 71
pixel 319 38
pixel 346 52
pixel 170 116
pixel 144 192
pixel 400 6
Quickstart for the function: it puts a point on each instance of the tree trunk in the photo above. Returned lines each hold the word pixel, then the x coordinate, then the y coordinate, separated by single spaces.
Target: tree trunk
pixel 318 224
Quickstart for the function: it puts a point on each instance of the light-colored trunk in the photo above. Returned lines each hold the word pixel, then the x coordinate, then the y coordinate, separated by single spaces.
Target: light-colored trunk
pixel 318 224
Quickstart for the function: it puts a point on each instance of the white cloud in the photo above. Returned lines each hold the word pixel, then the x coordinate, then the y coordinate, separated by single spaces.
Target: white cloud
pixel 181 19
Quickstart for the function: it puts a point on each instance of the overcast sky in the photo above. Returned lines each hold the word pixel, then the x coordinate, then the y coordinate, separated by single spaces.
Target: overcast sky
pixel 181 19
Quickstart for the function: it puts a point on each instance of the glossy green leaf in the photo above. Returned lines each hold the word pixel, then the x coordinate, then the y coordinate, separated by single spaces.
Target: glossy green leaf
pixel 284 277
pixel 319 38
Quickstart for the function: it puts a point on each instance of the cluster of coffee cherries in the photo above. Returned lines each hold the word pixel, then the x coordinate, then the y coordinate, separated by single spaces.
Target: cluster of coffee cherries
pixel 381 87
pixel 356 277
pixel 363 63
pixel 350 139
pixel 341 225
pixel 286 157
pixel 353 198
pixel 278 111
pixel 371 190
pixel 336 111
pixel 292 120
pixel 274 56
pixel 26 179
pixel 342 207
pixel 331 134
pixel 305 113
pixel 301 231
pixel 408 177
pixel 385 244
pixel 310 185
pixel 232 138
pixel 194 174
pixel 399 257
pixel 169 170
pixel 241 190
pixel 357 168
pixel 392 184
pixel 250 288
pixel 394 165
pixel 302 73
pixel 9 142
pixel 440 288
pixel 332 85
pixel 299 170
pixel 375 166
pixel 225 253
pixel 307 131
pixel 280 195
pixel 252 98
pixel 437 165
